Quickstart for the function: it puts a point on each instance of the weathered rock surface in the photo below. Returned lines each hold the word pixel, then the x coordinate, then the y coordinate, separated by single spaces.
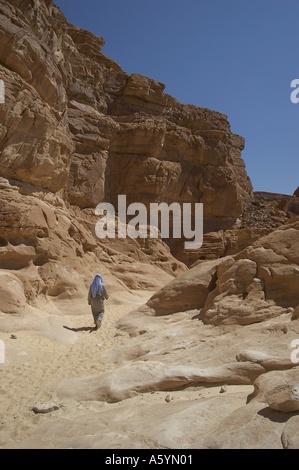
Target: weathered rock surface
pixel 190 363
pixel 155 426
pixel 258 283
pixel 39 232
pixel 290 434
pixel 284 398
pixel 75 131
pixel 91 131
pixel 144 377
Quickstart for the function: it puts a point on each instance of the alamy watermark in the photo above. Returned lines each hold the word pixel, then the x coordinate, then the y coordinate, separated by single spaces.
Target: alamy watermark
pixel 2 352
pixel 174 220
pixel 2 92
pixel 295 93
pixel 295 353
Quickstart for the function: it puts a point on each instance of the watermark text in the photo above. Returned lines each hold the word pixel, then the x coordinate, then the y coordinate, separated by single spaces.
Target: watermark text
pixel 2 92
pixel 295 93
pixel 295 353
pixel 174 220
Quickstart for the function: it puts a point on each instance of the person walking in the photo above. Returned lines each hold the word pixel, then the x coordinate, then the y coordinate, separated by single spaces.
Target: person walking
pixel 96 296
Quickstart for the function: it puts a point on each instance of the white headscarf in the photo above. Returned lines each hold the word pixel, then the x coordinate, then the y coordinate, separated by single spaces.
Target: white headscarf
pixel 97 285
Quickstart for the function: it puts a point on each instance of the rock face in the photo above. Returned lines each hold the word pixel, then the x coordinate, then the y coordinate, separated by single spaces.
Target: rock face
pixel 258 283
pixel 75 124
pixel 36 144
pixel 284 398
pixel 76 127
pixel 76 131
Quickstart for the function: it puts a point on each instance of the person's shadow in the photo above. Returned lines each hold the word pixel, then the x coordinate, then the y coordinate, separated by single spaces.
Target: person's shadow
pixel 83 328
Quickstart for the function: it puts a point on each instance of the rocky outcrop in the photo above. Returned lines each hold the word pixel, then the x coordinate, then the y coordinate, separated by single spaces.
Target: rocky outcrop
pixel 145 377
pixel 75 124
pixel 284 398
pixel 178 383
pixel 76 130
pixel 258 283
pixel 39 232
pixel 36 143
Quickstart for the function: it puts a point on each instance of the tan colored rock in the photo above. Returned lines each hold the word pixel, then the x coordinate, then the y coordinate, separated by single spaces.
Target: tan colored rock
pixel 153 428
pixel 276 380
pixel 91 132
pixel 13 300
pixel 284 397
pixel 293 207
pixel 143 377
pixel 277 258
pixel 37 236
pixel 35 101
pixel 295 313
pixel 188 291
pixel 290 434
pixel 248 427
pixel 261 284
pixel 268 361
pixel 238 289
pixel 76 130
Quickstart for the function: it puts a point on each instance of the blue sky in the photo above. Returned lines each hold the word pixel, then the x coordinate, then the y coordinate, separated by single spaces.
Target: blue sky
pixel 237 57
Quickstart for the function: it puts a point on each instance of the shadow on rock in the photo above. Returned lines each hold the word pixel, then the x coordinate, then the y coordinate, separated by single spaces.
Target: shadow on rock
pixel 276 416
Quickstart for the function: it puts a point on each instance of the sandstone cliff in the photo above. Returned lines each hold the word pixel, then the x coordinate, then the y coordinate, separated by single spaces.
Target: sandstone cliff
pixel 76 130
pixel 75 126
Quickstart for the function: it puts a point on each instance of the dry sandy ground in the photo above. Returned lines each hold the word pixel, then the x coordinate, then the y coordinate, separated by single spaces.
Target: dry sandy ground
pixel 44 348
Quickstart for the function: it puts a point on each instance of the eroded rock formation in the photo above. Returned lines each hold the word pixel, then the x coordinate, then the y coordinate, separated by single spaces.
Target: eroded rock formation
pixel 76 130
pixel 74 124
